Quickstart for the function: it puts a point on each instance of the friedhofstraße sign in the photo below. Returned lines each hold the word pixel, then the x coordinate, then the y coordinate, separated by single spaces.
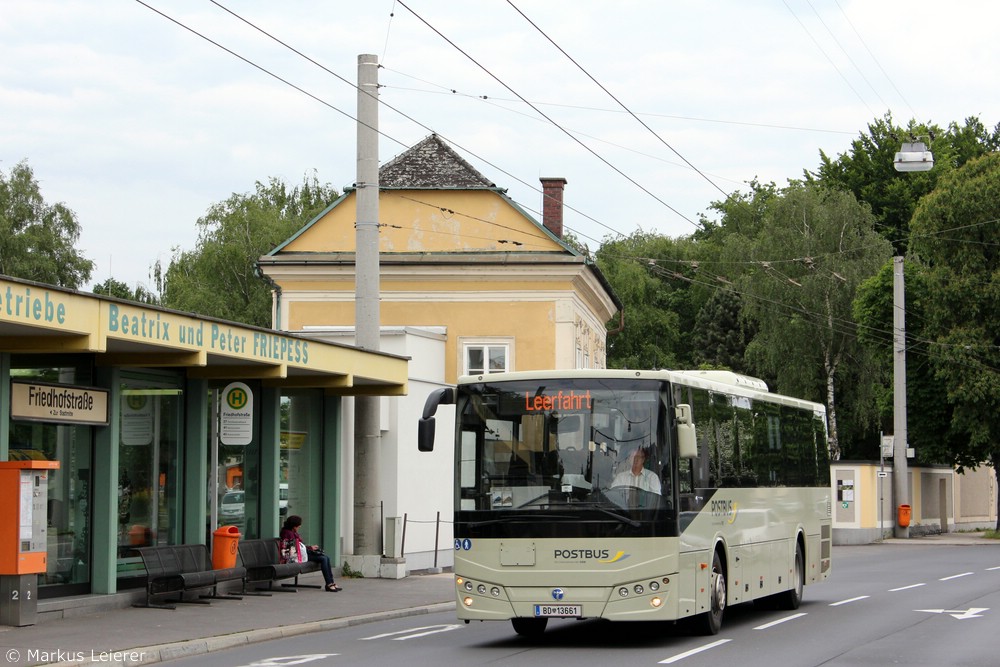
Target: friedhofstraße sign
pixel 58 403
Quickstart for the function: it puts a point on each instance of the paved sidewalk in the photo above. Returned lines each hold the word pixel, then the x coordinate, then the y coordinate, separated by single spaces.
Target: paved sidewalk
pixel 950 539
pixel 140 636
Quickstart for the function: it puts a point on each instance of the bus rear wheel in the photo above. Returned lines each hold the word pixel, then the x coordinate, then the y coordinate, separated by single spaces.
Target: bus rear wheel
pixel 710 622
pixel 529 627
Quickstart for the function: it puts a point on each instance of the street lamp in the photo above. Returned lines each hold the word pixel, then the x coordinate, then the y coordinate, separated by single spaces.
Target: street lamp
pixel 913 156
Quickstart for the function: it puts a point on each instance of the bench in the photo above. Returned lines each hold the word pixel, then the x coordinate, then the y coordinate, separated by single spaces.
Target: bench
pixel 179 568
pixel 263 565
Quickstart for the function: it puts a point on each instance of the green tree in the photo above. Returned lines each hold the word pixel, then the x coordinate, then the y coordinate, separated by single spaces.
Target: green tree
pixel 720 333
pixel 219 277
pixel 867 169
pixel 956 238
pixel 649 332
pixel 802 269
pixel 37 239
pixel 120 290
pixel 928 414
pixel 656 279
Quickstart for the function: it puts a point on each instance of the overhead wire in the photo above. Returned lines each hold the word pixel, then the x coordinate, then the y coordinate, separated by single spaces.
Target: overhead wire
pixel 617 101
pixel 827 56
pixel 875 60
pixel 445 90
pixel 839 325
pixel 263 69
pixel 388 106
pixel 286 82
pixel 490 100
pixel 846 54
pixel 546 116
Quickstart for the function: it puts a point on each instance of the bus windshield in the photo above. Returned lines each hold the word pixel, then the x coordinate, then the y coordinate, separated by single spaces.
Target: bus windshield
pixel 565 457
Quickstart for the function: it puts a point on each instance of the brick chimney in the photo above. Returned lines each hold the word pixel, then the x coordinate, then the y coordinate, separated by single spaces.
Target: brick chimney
pixel 552 204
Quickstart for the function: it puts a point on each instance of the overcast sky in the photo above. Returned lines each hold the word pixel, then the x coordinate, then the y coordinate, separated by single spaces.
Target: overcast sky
pixel 139 125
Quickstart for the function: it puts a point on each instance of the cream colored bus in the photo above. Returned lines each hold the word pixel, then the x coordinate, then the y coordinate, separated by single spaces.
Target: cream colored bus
pixel 633 495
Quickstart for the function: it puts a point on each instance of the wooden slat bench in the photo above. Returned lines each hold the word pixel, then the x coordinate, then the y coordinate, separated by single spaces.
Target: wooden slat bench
pixel 179 568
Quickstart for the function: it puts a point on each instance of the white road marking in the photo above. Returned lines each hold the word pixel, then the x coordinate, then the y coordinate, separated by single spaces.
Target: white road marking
pixel 905 588
pixel 413 633
pixel 860 597
pixel 990 569
pixel 282 661
pixel 694 651
pixel 955 576
pixel 779 621
pixel 960 614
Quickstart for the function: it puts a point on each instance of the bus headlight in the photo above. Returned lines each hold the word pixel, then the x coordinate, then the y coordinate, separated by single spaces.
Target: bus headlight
pixel 655 601
pixel 495 592
pixel 468 586
pixel 481 589
pixel 623 592
pixel 654 586
pixel 467 600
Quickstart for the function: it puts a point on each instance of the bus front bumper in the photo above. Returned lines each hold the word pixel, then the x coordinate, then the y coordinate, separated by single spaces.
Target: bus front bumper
pixel 648 600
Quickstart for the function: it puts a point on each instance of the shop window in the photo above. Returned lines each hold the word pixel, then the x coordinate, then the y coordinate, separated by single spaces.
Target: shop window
pixel 301 485
pixel 148 476
pixel 68 562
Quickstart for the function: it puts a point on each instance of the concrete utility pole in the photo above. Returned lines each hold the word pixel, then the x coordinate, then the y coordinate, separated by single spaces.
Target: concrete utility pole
pixel 367 436
pixel 900 475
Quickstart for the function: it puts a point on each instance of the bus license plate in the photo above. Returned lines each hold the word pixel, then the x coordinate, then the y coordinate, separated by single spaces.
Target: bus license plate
pixel 558 610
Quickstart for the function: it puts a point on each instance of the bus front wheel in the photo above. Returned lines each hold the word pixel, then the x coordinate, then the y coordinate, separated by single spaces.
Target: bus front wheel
pixel 529 627
pixel 710 622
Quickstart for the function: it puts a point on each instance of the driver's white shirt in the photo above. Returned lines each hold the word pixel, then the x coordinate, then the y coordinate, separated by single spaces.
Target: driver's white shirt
pixel 645 480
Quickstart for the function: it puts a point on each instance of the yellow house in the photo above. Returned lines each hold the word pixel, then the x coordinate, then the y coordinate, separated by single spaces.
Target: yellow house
pixel 455 252
pixel 469 283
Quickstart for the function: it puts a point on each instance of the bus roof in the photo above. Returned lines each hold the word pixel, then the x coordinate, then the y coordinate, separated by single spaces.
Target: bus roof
pixel 722 381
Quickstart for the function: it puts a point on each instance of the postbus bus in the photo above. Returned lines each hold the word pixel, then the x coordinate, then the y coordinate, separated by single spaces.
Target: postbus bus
pixel 633 495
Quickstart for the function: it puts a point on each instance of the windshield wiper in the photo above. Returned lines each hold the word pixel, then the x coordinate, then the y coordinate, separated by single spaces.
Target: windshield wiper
pixel 615 515
pixel 533 500
pixel 533 517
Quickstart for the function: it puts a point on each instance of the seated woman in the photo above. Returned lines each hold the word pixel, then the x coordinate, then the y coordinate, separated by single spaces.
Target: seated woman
pixel 290 537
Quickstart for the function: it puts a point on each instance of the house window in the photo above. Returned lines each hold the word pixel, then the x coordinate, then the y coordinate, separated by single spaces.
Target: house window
pixel 483 359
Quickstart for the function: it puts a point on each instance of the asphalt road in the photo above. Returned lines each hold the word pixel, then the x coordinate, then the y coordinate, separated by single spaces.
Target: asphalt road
pixel 885 604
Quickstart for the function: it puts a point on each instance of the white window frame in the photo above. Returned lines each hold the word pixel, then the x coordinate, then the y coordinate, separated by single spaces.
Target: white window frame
pixel 486 345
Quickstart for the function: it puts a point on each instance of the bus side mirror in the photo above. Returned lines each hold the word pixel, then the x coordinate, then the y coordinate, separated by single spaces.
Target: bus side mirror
pixel 687 441
pixel 425 435
pixel 425 427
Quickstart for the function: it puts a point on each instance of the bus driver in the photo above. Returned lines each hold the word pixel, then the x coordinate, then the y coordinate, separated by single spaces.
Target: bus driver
pixel 636 475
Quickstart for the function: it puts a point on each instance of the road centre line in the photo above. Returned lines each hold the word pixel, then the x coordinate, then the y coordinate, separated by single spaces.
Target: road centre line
pixel 413 633
pixel 860 597
pixel 955 576
pixel 780 621
pixel 905 588
pixel 694 651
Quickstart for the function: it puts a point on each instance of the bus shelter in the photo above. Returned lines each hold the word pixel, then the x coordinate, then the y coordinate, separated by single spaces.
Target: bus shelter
pixel 165 425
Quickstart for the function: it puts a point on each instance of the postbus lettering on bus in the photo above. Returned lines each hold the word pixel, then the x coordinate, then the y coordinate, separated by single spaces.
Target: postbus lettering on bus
pixel 564 400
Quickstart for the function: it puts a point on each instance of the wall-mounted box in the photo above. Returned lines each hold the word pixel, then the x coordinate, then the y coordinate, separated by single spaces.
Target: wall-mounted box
pixel 24 488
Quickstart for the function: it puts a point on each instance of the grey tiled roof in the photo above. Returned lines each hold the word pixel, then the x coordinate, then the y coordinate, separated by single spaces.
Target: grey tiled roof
pixel 431 164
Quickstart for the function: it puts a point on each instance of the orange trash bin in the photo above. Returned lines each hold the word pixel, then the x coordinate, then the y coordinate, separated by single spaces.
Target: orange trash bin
pixel 904 516
pixel 225 543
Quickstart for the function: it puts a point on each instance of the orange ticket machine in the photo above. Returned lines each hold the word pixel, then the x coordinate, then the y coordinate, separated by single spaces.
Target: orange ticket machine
pixel 24 489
